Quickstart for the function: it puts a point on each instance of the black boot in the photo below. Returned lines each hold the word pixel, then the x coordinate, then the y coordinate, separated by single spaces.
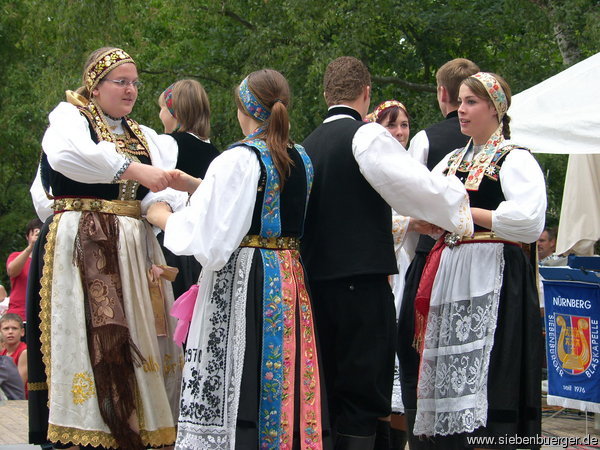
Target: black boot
pixel 347 442
pixel 398 439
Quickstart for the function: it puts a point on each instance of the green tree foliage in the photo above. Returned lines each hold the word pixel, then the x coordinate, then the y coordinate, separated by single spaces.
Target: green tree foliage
pixel 44 43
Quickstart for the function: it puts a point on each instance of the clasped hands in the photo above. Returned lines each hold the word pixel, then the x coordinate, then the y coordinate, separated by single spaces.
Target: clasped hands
pixel 157 179
pixel 159 212
pixel 182 181
pixel 423 227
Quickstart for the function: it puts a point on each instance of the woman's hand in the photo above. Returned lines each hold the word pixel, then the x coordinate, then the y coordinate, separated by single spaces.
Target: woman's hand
pixel 158 214
pixel 182 181
pixel 152 177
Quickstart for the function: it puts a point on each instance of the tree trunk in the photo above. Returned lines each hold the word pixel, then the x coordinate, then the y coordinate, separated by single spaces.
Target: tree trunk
pixel 567 45
pixel 569 49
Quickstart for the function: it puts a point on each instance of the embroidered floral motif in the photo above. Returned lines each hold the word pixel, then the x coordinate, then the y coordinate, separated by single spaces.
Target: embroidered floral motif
pixel 272 352
pixel 171 366
pixel 270 214
pixel 251 103
pixel 150 365
pixel 495 91
pixel 310 422
pixel 101 302
pixel 483 164
pixel 210 388
pixel 83 387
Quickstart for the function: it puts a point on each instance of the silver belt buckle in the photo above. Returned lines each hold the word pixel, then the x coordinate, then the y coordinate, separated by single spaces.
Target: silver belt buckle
pixel 452 240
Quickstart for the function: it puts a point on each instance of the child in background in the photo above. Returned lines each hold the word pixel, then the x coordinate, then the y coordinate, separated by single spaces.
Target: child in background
pixel 185 114
pixel 12 330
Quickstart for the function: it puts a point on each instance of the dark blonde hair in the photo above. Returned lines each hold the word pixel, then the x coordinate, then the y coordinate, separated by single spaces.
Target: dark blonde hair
pixel 191 107
pixel 272 91
pixel 344 80
pixel 480 91
pixel 91 59
pixel 453 73
pixel 12 316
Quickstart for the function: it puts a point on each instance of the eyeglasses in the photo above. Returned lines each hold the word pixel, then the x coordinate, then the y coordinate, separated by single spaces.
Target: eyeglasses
pixel 125 83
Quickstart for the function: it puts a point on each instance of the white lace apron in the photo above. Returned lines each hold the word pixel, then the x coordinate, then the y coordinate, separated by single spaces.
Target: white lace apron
pixel 452 386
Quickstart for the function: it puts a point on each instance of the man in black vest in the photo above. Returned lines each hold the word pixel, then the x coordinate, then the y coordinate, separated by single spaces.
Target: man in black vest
pixel 429 147
pixel 360 170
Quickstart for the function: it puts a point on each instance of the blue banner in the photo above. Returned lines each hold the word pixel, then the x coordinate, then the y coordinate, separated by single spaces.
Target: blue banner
pixel 572 315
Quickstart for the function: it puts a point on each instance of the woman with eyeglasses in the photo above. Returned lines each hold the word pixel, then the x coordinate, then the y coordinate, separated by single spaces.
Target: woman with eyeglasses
pixel 112 369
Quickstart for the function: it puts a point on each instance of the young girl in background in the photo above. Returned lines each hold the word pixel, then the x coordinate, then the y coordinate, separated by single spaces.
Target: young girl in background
pixel 185 114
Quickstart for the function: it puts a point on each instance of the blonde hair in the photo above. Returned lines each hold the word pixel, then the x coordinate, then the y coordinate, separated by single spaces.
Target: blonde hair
pixel 191 107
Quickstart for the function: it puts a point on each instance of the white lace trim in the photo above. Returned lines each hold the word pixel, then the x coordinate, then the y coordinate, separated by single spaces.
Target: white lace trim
pixel 452 387
pixel 397 404
pixel 211 386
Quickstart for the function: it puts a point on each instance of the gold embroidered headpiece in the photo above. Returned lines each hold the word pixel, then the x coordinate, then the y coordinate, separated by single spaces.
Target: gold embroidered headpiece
pixel 374 116
pixel 495 91
pixel 106 62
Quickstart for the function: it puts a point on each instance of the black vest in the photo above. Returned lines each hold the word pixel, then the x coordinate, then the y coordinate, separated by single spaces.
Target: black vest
pixel 489 195
pixel 443 137
pixel 194 155
pixel 292 200
pixel 348 228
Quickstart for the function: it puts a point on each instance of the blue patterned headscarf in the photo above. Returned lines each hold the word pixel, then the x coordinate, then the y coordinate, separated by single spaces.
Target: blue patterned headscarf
pixel 251 103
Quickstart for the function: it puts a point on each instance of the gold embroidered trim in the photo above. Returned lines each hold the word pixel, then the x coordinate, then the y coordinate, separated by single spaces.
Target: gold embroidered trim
pixel 65 435
pixel 37 386
pixel 134 143
pixel 131 208
pixel 46 294
pixel 275 243
pixel 96 118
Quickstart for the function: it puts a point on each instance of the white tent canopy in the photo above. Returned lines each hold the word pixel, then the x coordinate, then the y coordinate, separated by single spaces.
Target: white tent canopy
pixel 562 113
